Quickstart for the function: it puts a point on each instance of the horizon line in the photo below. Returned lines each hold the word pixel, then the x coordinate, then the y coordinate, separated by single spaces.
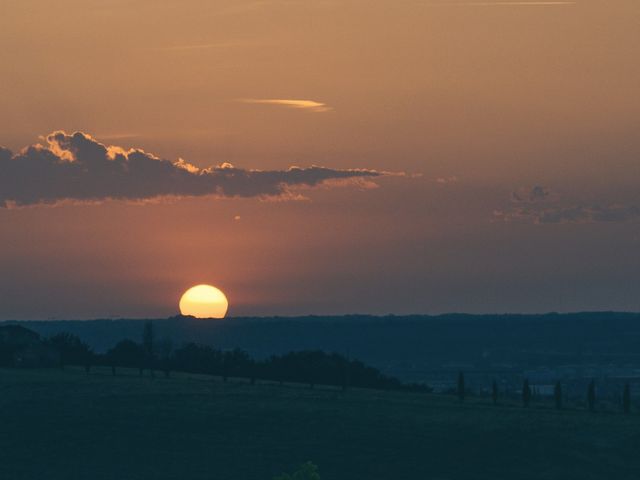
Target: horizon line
pixel 315 315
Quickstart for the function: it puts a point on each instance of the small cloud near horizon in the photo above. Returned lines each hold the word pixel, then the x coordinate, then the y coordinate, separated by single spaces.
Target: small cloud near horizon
pixel 537 193
pixel 447 180
pixel 580 214
pixel 540 206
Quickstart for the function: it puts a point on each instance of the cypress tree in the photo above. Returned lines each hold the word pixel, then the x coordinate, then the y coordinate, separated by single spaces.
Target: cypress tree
pixel 494 393
pixel 557 395
pixel 346 380
pixel 461 387
pixel 626 399
pixel 526 393
pixel 148 345
pixel 591 396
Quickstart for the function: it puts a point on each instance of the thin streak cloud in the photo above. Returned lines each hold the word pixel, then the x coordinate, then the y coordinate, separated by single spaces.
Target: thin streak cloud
pixel 309 105
pixel 208 46
pixel 203 46
pixel 505 4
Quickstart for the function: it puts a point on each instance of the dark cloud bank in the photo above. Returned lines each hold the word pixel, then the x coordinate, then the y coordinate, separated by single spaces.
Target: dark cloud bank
pixel 76 167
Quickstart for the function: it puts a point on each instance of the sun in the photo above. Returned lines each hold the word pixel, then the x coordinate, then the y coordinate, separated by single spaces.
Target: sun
pixel 204 301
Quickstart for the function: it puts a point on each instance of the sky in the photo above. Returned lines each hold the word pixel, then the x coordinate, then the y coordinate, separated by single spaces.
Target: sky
pixel 322 157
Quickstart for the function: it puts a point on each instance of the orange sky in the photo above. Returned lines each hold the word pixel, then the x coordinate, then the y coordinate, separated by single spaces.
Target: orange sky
pixel 516 124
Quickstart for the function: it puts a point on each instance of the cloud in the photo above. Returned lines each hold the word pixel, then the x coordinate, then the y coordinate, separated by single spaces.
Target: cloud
pixel 78 168
pixel 310 105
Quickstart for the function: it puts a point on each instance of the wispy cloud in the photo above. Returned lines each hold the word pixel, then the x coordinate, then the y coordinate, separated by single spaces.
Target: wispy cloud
pixel 116 135
pixel 309 105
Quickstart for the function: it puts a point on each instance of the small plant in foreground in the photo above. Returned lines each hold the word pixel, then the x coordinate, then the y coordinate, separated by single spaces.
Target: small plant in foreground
pixel 307 471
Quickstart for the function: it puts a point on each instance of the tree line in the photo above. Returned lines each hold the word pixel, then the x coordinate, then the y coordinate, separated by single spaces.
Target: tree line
pixel 152 356
pixel 558 395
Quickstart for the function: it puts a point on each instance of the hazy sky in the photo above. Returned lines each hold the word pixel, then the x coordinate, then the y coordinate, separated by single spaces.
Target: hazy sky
pixel 502 139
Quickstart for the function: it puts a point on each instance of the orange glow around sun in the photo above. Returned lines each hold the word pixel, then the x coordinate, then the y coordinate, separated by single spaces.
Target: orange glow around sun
pixel 204 301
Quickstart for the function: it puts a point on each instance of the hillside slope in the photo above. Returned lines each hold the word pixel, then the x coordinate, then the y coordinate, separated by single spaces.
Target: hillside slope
pixel 60 425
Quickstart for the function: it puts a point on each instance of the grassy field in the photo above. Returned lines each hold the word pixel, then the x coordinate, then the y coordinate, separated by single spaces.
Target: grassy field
pixel 67 425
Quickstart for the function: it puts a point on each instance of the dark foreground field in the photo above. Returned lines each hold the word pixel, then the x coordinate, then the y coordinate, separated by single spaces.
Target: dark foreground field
pixel 66 425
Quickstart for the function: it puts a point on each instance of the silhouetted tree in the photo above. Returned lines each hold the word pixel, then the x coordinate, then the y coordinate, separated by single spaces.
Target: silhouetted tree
pixel 148 338
pixel 461 387
pixel 165 349
pixel 346 376
pixel 626 399
pixel 494 392
pixel 148 345
pixel 251 369
pixel 526 393
pixel 238 363
pixel 557 395
pixel 196 358
pixel 15 339
pixel 126 353
pixel 72 350
pixel 591 396
pixel 111 360
pixel 225 369
pixel 311 368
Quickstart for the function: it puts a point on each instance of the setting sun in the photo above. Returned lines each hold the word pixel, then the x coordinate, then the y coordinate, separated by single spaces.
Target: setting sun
pixel 204 301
